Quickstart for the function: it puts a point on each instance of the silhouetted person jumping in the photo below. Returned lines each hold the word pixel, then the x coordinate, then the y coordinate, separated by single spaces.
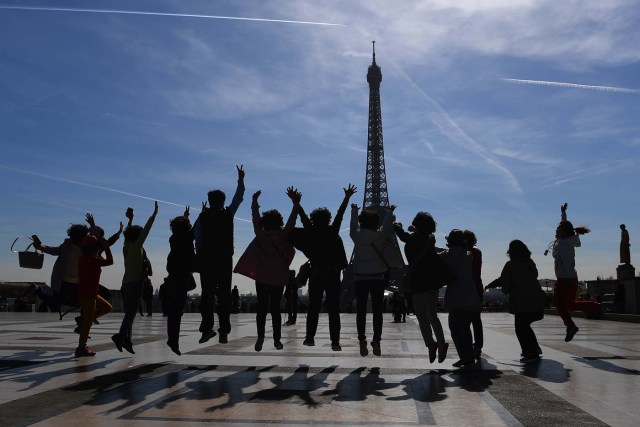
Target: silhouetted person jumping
pixel 564 257
pixel 266 260
pixel 213 233
pixel 324 248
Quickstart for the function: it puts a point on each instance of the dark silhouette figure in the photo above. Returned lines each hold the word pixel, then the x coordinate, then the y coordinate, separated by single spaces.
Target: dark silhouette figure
pixel 134 274
pixel 267 260
pixel 461 297
pixel 213 234
pixel 180 262
pixel 426 274
pixel 93 305
pixel 476 266
pixel 321 243
pixel 519 279
pixel 370 270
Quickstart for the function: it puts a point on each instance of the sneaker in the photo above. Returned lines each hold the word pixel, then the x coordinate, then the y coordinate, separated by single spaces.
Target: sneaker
pixel 206 336
pixel 530 358
pixel 117 341
pixel 174 347
pixel 84 352
pixel 433 349
pixel 571 331
pixel 223 338
pixel 462 363
pixel 128 346
pixel 278 345
pixel 375 345
pixel 259 342
pixel 309 341
pixel 336 346
pixel 363 349
pixel 442 351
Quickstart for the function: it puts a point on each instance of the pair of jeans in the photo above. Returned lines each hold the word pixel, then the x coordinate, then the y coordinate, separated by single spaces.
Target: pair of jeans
pixel 564 297
pixel 526 336
pixel 130 299
pixel 176 298
pixel 363 289
pixel 425 305
pixel 460 327
pixel 215 280
pixel 269 298
pixel 324 281
pixel 92 308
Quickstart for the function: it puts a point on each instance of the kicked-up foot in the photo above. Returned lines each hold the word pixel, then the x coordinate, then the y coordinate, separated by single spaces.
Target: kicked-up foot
pixel 571 332
pixel 174 347
pixel 117 341
pixel 364 351
pixel 433 350
pixel 442 352
pixel 259 342
pixel 128 345
pixel 375 345
pixel 206 336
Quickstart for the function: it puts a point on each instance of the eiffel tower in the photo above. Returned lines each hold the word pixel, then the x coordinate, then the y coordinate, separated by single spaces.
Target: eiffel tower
pixel 376 196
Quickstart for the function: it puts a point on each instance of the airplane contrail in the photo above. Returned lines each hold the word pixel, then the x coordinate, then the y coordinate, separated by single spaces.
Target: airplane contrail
pixel 99 187
pixel 181 15
pixel 573 85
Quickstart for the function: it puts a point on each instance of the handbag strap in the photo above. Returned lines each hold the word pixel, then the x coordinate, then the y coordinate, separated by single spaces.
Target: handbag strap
pixel 22 237
pixel 380 255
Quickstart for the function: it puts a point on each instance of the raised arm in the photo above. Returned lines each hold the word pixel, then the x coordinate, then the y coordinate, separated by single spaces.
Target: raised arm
pixel 147 226
pixel 255 212
pixel 400 232
pixel 108 260
pixel 295 197
pixel 348 192
pixel 239 194
pixel 113 239
pixel 354 226
pixel 563 212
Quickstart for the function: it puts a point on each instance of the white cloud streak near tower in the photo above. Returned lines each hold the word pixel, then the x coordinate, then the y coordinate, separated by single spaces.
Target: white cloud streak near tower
pixel 573 85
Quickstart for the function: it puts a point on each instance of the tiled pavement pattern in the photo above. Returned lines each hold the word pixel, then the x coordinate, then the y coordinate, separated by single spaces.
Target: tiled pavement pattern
pixel 592 381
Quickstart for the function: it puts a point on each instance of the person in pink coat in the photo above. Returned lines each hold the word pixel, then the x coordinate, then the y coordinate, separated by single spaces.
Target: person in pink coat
pixel 267 260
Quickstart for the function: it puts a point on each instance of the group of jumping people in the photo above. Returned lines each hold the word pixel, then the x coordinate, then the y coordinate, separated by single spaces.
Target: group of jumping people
pixel 207 248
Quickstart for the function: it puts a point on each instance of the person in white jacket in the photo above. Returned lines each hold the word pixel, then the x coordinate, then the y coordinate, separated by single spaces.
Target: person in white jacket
pixel 370 269
pixel 564 258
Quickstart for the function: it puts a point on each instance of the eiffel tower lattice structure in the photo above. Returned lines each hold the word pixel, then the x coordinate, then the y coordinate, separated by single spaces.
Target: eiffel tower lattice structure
pixel 376 196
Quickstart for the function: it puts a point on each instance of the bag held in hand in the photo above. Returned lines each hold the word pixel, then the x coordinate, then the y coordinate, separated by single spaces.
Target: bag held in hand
pixel 29 259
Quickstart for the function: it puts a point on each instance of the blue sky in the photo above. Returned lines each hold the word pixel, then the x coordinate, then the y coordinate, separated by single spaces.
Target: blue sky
pixel 165 106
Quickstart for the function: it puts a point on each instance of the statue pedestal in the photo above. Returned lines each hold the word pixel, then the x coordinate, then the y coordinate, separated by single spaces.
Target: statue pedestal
pixel 626 275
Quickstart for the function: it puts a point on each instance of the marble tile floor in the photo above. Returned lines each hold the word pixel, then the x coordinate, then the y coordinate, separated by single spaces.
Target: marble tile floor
pixel 592 381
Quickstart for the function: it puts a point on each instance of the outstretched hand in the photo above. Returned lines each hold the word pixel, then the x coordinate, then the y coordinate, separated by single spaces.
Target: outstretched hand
pixel 90 221
pixel 186 211
pixel 392 208
pixel 155 207
pixel 36 242
pixel 294 194
pixel 204 206
pixel 120 228
pixel 240 172
pixel 256 195
pixel 564 207
pixel 129 214
pixel 350 191
pixel 355 206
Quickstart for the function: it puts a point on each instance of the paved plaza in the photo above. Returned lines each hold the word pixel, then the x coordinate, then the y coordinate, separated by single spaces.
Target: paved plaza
pixel 592 381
